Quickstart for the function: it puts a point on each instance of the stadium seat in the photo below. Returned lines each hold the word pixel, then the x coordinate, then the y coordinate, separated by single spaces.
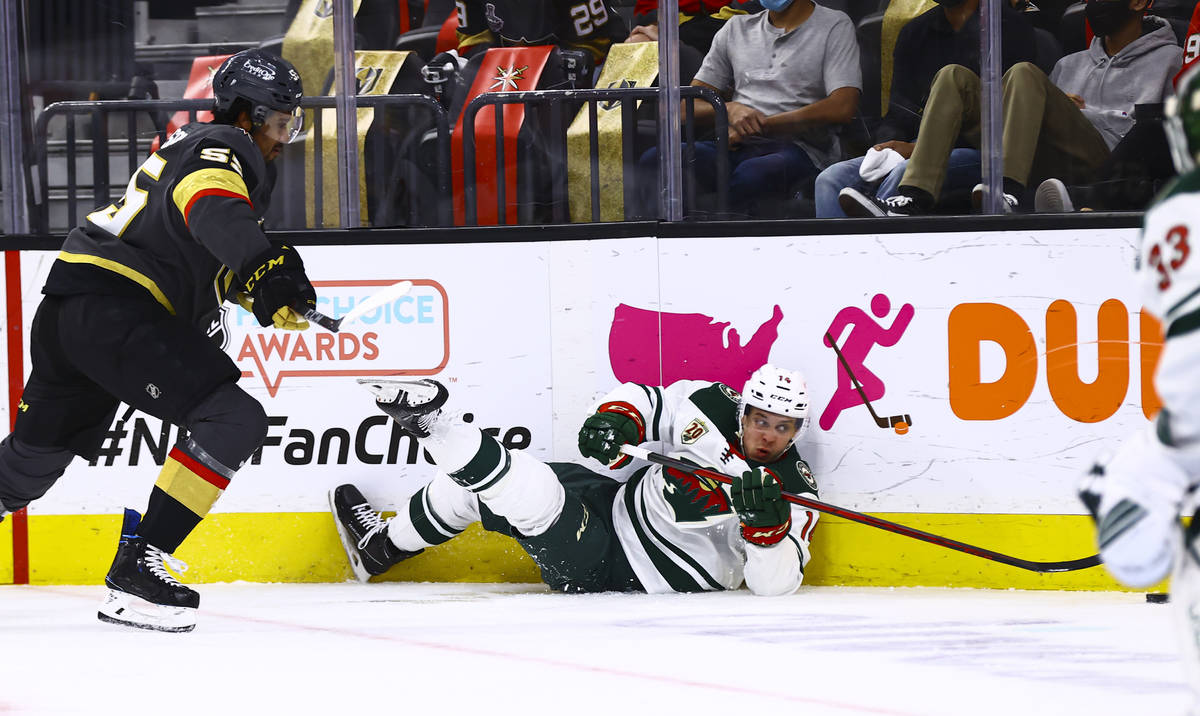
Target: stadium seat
pixel 1048 50
pixel 539 164
pixel 422 40
pixel 1072 29
pixel 869 44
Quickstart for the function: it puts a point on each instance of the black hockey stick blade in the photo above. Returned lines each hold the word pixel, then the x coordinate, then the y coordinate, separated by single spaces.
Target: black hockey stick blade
pixel 1069 565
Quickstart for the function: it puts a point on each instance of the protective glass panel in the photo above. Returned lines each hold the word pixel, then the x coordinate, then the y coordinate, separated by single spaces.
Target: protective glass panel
pixel 798 110
pixel 1063 140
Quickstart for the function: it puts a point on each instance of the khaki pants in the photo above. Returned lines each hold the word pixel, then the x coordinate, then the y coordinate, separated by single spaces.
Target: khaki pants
pixel 1045 134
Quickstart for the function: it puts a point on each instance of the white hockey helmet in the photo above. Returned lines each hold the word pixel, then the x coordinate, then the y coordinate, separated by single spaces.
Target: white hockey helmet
pixel 776 390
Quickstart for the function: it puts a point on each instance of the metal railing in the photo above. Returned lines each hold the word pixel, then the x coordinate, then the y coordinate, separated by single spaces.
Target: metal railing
pixel 442 147
pixel 557 101
pixel 98 114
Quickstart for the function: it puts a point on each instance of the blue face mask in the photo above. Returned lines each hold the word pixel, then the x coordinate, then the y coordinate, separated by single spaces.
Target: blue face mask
pixel 775 5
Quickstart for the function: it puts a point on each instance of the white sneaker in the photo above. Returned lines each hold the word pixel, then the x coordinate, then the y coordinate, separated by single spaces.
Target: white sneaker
pixel 1008 206
pixel 1052 197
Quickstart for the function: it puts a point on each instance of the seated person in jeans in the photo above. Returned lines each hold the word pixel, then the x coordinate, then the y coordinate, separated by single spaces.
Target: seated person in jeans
pixel 944 35
pixel 788 75
pixel 1065 124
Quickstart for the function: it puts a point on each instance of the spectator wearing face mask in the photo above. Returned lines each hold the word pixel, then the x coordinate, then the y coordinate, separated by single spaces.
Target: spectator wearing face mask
pixel 1063 125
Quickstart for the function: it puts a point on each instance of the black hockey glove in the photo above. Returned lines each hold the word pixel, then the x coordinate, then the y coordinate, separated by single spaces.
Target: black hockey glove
pixel 603 434
pixel 280 291
pixel 757 497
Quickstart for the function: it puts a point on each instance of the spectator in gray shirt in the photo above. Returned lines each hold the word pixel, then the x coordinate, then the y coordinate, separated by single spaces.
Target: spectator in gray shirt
pixel 789 75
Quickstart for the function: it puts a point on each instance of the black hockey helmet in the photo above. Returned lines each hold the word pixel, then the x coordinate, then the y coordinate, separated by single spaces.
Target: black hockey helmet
pixel 269 84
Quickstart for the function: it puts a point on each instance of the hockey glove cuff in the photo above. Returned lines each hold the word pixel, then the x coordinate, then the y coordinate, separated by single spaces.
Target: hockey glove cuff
pixel 279 288
pixel 757 497
pixel 614 425
pixel 243 299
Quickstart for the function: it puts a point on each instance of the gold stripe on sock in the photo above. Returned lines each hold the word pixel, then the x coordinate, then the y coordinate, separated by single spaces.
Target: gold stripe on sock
pixel 190 489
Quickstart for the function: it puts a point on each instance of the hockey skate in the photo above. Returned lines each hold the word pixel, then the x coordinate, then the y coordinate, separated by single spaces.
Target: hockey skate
pixel 363 533
pixel 141 592
pixel 414 404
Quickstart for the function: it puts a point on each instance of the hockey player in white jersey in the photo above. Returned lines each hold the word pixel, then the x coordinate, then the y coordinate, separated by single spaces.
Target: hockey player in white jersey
pixel 652 529
pixel 1136 494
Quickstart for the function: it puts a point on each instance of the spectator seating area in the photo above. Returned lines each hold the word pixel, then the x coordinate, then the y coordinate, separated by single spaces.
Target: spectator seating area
pixel 147 49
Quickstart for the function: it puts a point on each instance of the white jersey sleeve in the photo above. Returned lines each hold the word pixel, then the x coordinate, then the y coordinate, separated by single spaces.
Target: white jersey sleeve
pixel 1169 280
pixel 655 410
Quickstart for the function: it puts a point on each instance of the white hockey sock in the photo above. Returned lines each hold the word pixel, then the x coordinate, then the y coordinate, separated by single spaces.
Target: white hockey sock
pixel 437 513
pixel 514 485
pixel 452 443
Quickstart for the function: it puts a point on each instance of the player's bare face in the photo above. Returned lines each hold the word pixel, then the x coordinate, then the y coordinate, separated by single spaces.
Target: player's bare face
pixel 766 436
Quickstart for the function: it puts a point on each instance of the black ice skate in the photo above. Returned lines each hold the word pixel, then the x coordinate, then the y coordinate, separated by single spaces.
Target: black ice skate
pixel 363 533
pixel 413 404
pixel 141 592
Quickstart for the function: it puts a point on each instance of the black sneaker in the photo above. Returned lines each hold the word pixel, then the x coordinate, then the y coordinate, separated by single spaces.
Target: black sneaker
pixel 856 203
pixel 141 592
pixel 414 404
pixel 363 534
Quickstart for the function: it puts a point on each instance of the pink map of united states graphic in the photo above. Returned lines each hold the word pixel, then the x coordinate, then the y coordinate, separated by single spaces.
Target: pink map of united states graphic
pixel 693 346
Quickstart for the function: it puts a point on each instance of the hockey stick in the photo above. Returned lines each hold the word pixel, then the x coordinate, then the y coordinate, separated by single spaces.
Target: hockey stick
pixel 383 296
pixel 1069 565
pixel 900 423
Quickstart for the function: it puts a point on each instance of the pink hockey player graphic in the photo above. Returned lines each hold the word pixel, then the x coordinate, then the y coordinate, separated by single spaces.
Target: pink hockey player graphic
pixel 693 346
pixel 857 385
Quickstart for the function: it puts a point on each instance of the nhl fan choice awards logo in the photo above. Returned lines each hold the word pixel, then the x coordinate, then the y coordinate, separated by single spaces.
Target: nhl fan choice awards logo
pixel 409 336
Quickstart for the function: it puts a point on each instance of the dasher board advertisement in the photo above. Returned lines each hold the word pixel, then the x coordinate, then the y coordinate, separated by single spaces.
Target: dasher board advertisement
pixel 973 372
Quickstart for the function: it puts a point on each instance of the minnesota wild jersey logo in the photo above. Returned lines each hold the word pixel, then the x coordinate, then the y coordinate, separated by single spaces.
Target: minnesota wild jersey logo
pixel 806 473
pixel 693 431
pixel 730 392
pixel 693 499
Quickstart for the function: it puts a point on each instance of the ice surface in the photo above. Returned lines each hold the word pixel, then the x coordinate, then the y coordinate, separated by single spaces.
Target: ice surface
pixel 517 649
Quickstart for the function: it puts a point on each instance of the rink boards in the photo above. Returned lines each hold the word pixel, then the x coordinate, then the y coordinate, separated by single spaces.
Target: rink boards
pixel 1009 360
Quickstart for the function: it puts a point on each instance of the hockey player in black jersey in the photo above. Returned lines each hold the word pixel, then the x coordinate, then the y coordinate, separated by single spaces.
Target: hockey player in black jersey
pixel 124 319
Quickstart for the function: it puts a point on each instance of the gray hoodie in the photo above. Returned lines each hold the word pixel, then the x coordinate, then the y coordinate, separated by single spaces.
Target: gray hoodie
pixel 1141 73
